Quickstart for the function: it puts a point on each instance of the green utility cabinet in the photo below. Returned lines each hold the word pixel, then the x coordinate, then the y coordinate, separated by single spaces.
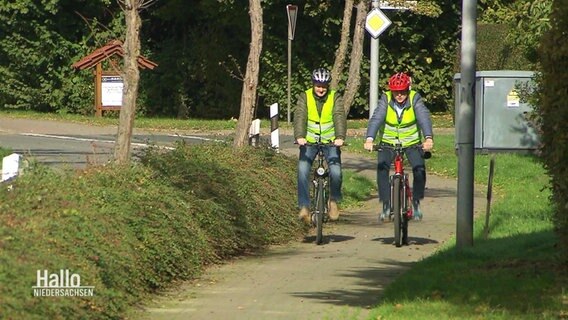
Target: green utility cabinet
pixel 500 118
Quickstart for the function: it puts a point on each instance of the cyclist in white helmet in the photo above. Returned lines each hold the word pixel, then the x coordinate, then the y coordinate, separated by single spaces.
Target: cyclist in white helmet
pixel 319 117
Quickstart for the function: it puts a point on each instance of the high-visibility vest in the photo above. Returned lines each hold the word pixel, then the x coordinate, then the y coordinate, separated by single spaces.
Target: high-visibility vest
pixel 320 126
pixel 401 129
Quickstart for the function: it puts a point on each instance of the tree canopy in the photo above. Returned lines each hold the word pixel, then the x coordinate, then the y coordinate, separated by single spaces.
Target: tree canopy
pixel 202 47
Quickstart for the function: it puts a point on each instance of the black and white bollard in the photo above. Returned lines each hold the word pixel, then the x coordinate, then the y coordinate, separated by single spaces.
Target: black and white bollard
pixel 254 133
pixel 274 134
pixel 10 166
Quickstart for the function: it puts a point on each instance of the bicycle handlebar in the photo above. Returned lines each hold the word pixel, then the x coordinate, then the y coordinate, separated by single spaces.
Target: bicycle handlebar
pixel 379 147
pixel 320 144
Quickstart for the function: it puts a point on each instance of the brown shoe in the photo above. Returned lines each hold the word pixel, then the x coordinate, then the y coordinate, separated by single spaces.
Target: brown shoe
pixel 304 215
pixel 333 211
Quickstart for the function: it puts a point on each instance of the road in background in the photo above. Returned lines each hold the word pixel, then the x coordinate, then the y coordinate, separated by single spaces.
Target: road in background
pixel 63 144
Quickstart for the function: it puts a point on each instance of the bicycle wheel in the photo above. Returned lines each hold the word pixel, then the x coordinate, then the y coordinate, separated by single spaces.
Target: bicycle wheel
pixel 397 209
pixel 320 209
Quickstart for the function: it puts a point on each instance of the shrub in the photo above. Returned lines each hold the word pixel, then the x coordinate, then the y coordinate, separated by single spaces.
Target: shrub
pixel 130 231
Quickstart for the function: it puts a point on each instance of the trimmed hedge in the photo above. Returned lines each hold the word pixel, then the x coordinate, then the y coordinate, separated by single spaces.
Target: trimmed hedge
pixel 495 53
pixel 552 111
pixel 131 231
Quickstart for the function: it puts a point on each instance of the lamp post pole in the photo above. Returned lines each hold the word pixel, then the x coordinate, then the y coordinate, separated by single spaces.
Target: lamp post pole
pixel 466 126
pixel 292 11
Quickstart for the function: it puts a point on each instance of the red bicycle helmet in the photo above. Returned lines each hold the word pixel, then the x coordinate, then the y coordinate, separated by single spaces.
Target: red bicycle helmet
pixel 399 82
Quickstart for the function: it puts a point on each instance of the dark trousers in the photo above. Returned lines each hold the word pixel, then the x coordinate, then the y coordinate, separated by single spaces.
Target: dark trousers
pixel 306 159
pixel 414 155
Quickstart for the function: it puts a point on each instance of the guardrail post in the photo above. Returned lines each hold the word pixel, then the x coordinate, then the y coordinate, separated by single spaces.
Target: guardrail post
pixel 10 166
pixel 254 132
pixel 274 134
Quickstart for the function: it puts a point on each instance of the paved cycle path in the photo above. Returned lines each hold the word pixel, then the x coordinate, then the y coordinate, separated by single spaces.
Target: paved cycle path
pixel 341 279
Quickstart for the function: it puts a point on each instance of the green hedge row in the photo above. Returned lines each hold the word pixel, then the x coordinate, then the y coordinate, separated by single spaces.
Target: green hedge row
pixel 130 231
pixel 495 53
pixel 553 114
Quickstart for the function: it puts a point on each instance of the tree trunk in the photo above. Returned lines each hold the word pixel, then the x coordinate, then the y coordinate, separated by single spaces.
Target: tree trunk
pixel 250 84
pixel 343 43
pixel 354 79
pixel 131 77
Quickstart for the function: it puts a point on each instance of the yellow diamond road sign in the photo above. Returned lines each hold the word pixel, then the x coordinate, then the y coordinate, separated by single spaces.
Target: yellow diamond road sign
pixel 376 22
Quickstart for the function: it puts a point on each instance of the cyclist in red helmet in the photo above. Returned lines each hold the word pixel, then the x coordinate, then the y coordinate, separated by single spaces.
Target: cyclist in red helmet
pixel 401 117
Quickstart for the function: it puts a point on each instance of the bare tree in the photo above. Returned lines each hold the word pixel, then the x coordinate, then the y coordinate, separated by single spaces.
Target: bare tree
pixel 131 76
pixel 250 84
pixel 354 79
pixel 343 45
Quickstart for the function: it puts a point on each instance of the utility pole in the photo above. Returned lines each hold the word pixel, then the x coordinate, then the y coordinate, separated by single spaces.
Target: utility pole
pixel 466 126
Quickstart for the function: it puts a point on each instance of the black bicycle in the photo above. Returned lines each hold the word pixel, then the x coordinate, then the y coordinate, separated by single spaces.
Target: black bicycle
pixel 401 210
pixel 319 209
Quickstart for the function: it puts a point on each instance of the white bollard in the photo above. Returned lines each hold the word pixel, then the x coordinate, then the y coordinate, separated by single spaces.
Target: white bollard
pixel 274 135
pixel 254 132
pixel 10 166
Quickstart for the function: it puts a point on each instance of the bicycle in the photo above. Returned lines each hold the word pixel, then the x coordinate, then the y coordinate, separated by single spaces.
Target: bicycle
pixel 319 210
pixel 401 210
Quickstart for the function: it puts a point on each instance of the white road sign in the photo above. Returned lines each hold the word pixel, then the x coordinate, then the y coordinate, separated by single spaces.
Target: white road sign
pixel 376 22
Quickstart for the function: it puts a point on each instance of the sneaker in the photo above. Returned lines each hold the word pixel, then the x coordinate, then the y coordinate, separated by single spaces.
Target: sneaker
pixel 304 215
pixel 416 210
pixel 333 210
pixel 385 214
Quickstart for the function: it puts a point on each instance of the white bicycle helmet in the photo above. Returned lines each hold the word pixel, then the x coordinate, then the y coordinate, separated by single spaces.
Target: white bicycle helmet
pixel 321 75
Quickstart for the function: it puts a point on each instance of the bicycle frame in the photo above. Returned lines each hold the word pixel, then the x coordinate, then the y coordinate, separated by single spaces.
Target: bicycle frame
pixel 400 197
pixel 320 199
pixel 407 191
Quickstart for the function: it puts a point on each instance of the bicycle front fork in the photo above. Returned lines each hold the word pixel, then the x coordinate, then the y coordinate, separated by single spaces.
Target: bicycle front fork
pixel 325 195
pixel 406 197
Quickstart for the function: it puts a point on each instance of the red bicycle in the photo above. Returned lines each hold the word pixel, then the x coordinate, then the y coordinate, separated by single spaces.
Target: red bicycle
pixel 401 210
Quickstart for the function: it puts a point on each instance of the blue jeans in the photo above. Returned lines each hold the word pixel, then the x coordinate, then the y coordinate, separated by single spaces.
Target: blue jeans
pixel 306 159
pixel 414 155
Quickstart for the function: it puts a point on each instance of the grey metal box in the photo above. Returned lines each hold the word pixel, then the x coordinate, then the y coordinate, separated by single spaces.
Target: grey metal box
pixel 500 118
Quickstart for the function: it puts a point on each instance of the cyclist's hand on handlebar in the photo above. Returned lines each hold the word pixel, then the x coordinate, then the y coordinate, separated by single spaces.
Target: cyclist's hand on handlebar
pixel 301 141
pixel 368 145
pixel 428 144
pixel 338 142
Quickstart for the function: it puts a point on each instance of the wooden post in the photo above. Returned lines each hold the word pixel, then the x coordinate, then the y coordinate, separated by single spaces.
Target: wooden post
pixel 489 196
pixel 98 89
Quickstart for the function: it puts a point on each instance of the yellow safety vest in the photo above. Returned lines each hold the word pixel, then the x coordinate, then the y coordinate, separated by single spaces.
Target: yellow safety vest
pixel 403 129
pixel 320 126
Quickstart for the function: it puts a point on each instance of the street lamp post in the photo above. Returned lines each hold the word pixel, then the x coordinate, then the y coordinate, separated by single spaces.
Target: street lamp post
pixel 292 11
pixel 465 121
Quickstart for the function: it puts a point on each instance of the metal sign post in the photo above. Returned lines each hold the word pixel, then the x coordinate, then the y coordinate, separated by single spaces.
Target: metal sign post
pixel 376 23
pixel 292 11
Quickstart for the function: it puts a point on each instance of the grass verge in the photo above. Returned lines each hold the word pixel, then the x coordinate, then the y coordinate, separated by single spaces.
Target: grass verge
pixel 514 274
pixel 440 120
